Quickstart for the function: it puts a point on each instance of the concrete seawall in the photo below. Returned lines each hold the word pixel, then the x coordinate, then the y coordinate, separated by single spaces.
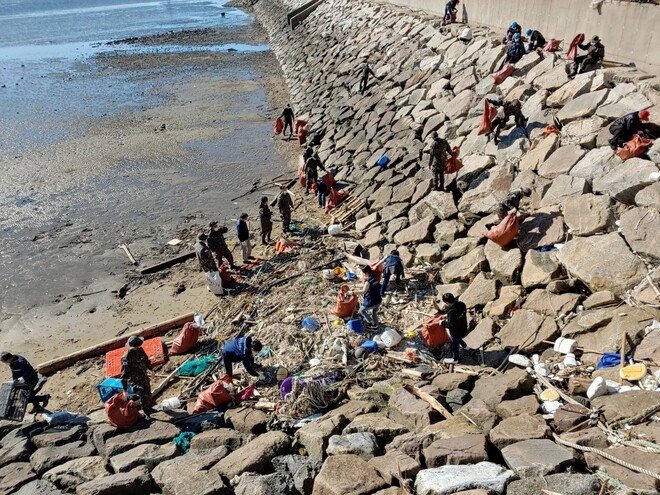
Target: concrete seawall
pixel 629 30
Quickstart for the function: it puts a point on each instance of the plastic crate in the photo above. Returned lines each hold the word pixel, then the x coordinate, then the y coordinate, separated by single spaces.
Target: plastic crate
pixel 110 387
pixel 152 347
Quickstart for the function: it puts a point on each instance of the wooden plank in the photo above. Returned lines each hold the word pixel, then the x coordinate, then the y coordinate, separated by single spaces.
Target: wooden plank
pixel 168 263
pixel 110 345
pixel 429 399
pixel 129 254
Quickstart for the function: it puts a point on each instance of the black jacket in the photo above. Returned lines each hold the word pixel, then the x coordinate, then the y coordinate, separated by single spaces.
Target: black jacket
pixel 630 123
pixel 536 40
pixel 456 320
pixel 21 368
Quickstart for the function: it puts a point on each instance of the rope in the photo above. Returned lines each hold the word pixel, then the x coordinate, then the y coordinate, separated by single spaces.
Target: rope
pixel 304 399
pixel 638 417
pixel 607 456
pixel 615 483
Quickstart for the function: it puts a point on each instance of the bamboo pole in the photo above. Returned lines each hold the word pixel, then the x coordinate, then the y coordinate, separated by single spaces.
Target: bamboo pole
pixel 96 350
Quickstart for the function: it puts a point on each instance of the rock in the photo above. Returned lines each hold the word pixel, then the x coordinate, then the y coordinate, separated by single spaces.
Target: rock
pixel 460 248
pixel 564 483
pixel 380 425
pixel 641 229
pixel 469 449
pixel 625 182
pixel 570 90
pixel 509 295
pixel 447 480
pixel 599 299
pixel 649 196
pixel 76 472
pixel 561 161
pixel 630 103
pixel 157 433
pixel 302 471
pixel 15 446
pixel 188 474
pixel 540 268
pixel 456 426
pixel 135 482
pixel 620 406
pixel 381 198
pixel 394 464
pixel 441 204
pixel 271 484
pixel 532 458
pixel 597 162
pixel 552 79
pixel 255 455
pixel 643 292
pixel 602 263
pixel 48 457
pixel 632 479
pixel 582 106
pixel 15 475
pixel 351 410
pixel 211 439
pixel 456 398
pixel 481 334
pixel 505 263
pixel 589 437
pixel 517 429
pixel 362 444
pixel 149 455
pixel 588 214
pixel 461 104
pixel 417 233
pixel 527 330
pixel 563 188
pixel 524 405
pixel 421 191
pixel 510 385
pixel 546 303
pixel 649 348
pixel 447 232
pixel 479 292
pixel 538 155
pixel 473 166
pixel 363 224
pixel 39 487
pixel 461 269
pixel 393 211
pixel 55 437
pixel 450 381
pixel 455 289
pixel 347 475
pixel 582 132
pixel 430 253
pixel 408 410
pixel 544 227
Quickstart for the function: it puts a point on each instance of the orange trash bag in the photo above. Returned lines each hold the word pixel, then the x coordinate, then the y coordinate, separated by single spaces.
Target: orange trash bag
pixel 454 164
pixel 279 126
pixel 552 45
pixel 122 412
pixel 329 180
pixel 634 148
pixel 225 275
pixel 335 198
pixel 571 54
pixel 302 136
pixel 550 129
pixel 433 333
pixel 187 339
pixel 506 231
pixel 346 304
pixel 487 118
pixel 216 395
pixel 284 245
pixel 301 173
pixel 501 75
pixel 378 270
pixel 299 125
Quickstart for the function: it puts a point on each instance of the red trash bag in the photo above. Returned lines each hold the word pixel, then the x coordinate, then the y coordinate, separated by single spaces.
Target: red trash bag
pixel 433 333
pixel 279 126
pixel 634 148
pixel 487 118
pixel 214 396
pixel 329 180
pixel 571 54
pixel 243 395
pixel 225 276
pixel 187 339
pixel 301 173
pixel 335 198
pixel 552 45
pixel 302 136
pixel 506 231
pixel 346 304
pixel 300 124
pixel 501 75
pixel 122 412
pixel 378 270
pixel 453 165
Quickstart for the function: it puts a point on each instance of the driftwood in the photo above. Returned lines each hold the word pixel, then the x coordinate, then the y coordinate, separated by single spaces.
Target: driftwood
pixel 429 399
pixel 96 350
pixel 129 254
pixel 161 386
pixel 167 263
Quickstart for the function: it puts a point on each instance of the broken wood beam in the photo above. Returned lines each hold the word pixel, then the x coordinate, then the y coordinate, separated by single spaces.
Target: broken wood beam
pixel 429 399
pixel 110 345
pixel 167 263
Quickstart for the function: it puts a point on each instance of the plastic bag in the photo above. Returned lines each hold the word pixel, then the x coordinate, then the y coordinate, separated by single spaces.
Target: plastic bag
pixel 279 126
pixel 634 148
pixel 487 118
pixel 552 45
pixel 186 340
pixel 214 282
pixel 335 198
pixel 501 75
pixel 346 304
pixel 433 333
pixel 216 395
pixel 453 165
pixel 311 324
pixel 302 136
pixel 225 276
pixel 506 231
pixel 329 180
pixel 571 54
pixel 122 412
pixel 299 126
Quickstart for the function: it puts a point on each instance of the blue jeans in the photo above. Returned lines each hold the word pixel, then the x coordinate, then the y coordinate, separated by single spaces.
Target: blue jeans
pixel 386 280
pixel 370 314
pixel 456 344
pixel 322 197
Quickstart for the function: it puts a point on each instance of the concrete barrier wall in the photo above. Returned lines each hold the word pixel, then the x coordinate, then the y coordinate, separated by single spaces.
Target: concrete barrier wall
pixel 630 31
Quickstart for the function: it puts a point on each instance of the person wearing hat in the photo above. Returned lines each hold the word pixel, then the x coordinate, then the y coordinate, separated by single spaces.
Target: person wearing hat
pixel 265 216
pixel 218 246
pixel 624 128
pixel 204 255
pixel 592 60
pixel 243 233
pixel 285 205
pixel 135 371
pixel 25 377
pixel 535 39
pixel 514 29
pixel 392 267
pixel 514 51
pixel 440 153
pixel 506 110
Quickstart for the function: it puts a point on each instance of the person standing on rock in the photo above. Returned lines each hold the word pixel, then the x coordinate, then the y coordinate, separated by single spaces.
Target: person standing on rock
pixel 285 205
pixel 265 216
pixel 243 233
pixel 371 298
pixel 312 165
pixel 440 153
pixel 240 350
pixel 204 255
pixel 451 8
pixel 592 60
pixel 321 192
pixel 510 109
pixel 536 40
pixel 365 71
pixel 287 116
pixel 218 245
pixel 25 377
pixel 456 323
pixel 135 371
pixel 624 128
pixel 392 267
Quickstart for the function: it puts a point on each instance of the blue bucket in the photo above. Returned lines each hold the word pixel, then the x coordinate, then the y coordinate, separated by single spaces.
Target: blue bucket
pixel 355 325
pixel 110 387
pixel 370 346
pixel 383 160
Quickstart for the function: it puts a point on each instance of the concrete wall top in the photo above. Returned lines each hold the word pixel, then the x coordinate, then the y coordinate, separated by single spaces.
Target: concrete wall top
pixel 630 31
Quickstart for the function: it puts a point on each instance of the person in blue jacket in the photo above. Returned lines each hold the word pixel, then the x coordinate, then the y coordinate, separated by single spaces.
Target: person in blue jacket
pixel 392 266
pixel 240 350
pixel 243 233
pixel 514 29
pixel 514 51
pixel 25 376
pixel 371 298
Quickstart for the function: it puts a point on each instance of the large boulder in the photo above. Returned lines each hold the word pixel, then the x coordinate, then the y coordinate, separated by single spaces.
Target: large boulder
pixel 347 475
pixel 641 228
pixel 602 262
pixel 588 214
pixel 540 268
pixel 15 475
pixel 461 269
pixel 380 425
pixel 564 483
pixel 461 104
pixel 301 469
pixel 563 188
pixel 394 464
pixel 212 439
pixel 447 480
pixel 582 132
pixel 620 406
pixel 76 472
pixel 48 457
pixel 649 196
pixel 314 436
pixel 570 90
pixel 531 458
pixel 189 474
pixel 539 154
pixel 527 330
pixel 468 449
pixel 362 444
pixel 561 161
pixel 505 263
pixel 487 191
pixel 624 182
pixel 441 204
pixel 510 385
pixel 408 410
pixel 631 479
pixel 582 106
pixel 417 233
pixel 135 482
pixel 543 228
pixel 269 484
pixel 149 455
pixel 157 433
pixel 480 291
pixel 255 455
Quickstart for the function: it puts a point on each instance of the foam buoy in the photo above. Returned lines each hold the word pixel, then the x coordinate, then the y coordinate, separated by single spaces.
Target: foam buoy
pixel 549 394
pixel 633 372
